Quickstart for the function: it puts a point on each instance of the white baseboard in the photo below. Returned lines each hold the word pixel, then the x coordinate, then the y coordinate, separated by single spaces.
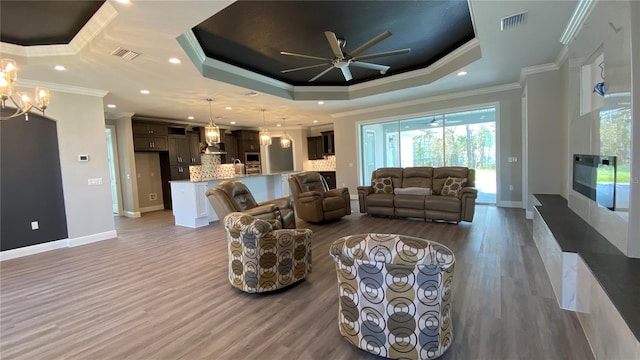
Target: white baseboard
pixel 57 244
pixel 353 197
pixel 510 204
pixel 529 215
pixel 151 208
pixel 131 214
pixel 92 238
pixel 33 249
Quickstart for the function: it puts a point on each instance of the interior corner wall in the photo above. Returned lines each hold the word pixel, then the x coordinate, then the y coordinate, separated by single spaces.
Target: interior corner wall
pixel 546 136
pixel 510 140
pixel 81 130
pixel 633 248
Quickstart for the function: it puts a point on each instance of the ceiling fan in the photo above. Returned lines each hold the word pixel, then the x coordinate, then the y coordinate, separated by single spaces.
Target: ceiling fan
pixel 342 60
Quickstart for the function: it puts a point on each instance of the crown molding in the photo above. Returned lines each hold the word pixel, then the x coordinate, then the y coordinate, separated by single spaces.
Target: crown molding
pixel 536 69
pixel 432 99
pixel 580 14
pixel 118 115
pixel 562 56
pixel 105 14
pixel 78 90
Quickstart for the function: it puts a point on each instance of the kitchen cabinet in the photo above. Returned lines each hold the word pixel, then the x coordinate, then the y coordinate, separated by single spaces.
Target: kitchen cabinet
pixel 194 148
pixel 330 178
pixel 248 141
pixel 180 172
pixel 149 136
pixel 328 143
pixel 314 147
pixel 179 150
pixel 230 141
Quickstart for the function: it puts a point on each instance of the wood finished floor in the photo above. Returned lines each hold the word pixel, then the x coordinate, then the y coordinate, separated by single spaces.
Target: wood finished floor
pixel 160 291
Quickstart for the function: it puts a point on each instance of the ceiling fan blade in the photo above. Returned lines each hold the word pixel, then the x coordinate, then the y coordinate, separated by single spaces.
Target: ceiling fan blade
pixel 346 72
pixel 303 56
pixel 302 68
pixel 322 73
pixel 335 45
pixel 382 68
pixel 370 43
pixel 386 53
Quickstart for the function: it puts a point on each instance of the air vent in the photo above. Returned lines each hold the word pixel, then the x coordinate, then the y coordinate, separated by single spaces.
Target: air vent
pixel 125 54
pixel 512 21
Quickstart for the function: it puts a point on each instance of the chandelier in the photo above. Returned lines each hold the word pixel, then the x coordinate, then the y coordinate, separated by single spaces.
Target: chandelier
pixel 285 140
pixel 22 102
pixel 264 135
pixel 211 131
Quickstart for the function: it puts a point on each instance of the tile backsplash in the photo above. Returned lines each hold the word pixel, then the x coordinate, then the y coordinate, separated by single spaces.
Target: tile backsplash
pixel 326 164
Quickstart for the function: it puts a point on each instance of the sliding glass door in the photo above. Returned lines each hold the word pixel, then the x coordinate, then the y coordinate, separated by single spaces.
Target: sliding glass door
pixel 465 138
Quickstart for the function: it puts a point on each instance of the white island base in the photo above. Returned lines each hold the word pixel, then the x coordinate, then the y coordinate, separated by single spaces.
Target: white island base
pixel 191 208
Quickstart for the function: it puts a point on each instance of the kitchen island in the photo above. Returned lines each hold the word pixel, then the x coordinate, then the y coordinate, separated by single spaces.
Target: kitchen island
pixel 191 208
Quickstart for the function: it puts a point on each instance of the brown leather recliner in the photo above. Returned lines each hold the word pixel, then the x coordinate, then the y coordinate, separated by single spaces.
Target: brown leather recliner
pixel 234 196
pixel 313 200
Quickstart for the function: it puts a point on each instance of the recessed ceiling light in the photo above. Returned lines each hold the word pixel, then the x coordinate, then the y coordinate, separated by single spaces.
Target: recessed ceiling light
pixel 175 61
pixel 228 108
pixel 320 102
pixel 145 92
pixel 190 117
pixel 315 121
pixel 112 106
pixel 462 73
pixel 60 67
pixel 232 123
pixel 251 93
pixel 279 125
pixel 124 1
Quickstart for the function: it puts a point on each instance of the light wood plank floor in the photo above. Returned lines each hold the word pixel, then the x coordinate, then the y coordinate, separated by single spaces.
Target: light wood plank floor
pixel 160 291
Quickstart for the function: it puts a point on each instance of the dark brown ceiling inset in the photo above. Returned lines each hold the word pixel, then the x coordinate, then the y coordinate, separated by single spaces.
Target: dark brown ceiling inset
pixel 30 23
pixel 251 34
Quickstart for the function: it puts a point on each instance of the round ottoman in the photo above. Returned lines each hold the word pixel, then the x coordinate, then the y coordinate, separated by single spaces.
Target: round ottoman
pixel 395 294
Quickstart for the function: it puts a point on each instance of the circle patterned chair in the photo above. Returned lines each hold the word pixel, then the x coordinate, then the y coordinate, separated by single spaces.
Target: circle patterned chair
pixel 262 258
pixel 395 294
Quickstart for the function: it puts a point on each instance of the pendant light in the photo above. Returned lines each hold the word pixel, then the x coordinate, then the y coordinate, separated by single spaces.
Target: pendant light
pixel 264 135
pixel 211 131
pixel 285 140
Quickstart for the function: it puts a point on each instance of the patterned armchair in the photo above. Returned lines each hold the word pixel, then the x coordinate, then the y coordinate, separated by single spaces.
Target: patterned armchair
pixel 395 294
pixel 263 259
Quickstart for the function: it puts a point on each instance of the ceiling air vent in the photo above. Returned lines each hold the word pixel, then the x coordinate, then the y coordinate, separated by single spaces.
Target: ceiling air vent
pixel 125 54
pixel 512 21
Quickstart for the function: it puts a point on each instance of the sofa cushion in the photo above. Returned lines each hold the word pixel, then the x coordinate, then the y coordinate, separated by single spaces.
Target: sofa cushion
pixel 385 200
pixel 409 202
pixel 452 186
pixel 442 203
pixel 419 176
pixel 441 174
pixel 382 185
pixel 412 191
pixel 395 173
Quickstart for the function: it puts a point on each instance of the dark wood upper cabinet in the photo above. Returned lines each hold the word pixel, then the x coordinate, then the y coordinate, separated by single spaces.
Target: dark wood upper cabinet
pixel 179 150
pixel 194 147
pixel 328 143
pixel 314 147
pixel 150 136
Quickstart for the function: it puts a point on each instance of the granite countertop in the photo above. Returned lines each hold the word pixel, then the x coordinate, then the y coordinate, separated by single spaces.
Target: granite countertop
pixel 236 177
pixel 618 274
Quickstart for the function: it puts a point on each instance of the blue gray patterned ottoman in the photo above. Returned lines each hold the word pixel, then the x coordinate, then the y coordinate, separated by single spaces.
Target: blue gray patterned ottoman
pixel 395 294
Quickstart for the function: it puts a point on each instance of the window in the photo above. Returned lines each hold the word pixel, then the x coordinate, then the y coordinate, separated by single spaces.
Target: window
pixel 465 138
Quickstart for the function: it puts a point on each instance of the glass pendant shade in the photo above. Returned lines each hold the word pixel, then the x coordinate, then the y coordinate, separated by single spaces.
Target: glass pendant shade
pixel 264 135
pixel 211 131
pixel 22 102
pixel 285 141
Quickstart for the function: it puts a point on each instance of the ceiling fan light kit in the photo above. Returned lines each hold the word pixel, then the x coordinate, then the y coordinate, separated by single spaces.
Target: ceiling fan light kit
pixel 343 60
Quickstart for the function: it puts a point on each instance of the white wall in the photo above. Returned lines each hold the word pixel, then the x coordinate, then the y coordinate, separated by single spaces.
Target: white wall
pixel 81 130
pixel 509 132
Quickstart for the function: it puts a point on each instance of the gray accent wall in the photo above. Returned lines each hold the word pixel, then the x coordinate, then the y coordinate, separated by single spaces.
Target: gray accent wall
pixel 31 183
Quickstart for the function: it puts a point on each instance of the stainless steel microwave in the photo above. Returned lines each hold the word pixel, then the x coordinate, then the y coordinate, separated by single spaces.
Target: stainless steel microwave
pixel 252 158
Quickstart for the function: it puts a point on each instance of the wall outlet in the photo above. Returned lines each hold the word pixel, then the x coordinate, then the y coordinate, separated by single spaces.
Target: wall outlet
pixel 35 225
pixel 153 196
pixel 95 181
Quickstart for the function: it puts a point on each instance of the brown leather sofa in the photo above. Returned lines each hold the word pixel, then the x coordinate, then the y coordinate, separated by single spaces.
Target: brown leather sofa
pixel 234 196
pixel 409 195
pixel 313 200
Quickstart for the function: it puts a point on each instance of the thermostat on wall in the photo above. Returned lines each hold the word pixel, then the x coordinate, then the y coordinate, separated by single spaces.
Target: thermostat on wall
pixel 83 158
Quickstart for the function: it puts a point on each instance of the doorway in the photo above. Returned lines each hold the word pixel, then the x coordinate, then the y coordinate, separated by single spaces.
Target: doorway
pixel 114 169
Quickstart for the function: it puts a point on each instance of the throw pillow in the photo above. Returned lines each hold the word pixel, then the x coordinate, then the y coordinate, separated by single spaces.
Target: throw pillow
pixel 382 186
pixel 412 191
pixel 453 186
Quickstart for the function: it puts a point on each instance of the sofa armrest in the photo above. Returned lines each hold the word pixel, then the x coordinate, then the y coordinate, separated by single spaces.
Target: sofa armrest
pixel 468 197
pixel 337 192
pixel 363 191
pixel 310 195
pixel 281 203
pixel 262 209
pixel 469 192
